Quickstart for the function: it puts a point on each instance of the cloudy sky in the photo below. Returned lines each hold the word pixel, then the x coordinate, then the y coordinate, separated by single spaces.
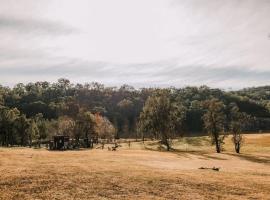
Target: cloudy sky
pixel 139 42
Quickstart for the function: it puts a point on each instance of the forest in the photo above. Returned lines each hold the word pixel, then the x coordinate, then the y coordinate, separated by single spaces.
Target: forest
pixel 34 112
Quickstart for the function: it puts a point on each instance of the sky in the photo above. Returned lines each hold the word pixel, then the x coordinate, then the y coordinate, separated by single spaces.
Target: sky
pixel 144 43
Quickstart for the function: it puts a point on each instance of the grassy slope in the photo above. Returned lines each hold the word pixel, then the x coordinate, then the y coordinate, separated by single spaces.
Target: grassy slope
pixel 139 173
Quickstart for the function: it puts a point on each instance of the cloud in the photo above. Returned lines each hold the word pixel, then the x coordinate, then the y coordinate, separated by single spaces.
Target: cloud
pixel 33 26
pixel 221 44
pixel 225 77
pixel 162 74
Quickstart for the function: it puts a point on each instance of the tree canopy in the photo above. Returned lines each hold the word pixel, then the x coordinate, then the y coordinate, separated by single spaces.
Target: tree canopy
pixel 121 106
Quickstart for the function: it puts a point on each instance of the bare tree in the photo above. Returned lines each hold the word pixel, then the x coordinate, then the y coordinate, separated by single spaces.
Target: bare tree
pixel 238 120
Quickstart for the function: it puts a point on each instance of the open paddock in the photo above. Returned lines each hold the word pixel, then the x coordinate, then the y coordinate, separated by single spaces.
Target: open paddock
pixel 139 172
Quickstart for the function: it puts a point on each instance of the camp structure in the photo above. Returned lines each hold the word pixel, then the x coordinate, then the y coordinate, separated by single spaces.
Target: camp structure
pixel 59 142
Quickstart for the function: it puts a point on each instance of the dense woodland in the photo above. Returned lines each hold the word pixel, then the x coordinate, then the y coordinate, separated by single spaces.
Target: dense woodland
pixel 37 111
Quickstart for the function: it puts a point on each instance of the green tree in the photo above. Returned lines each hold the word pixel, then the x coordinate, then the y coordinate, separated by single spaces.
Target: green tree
pixel 42 125
pixel 214 122
pixel 85 127
pixel 33 132
pixel 7 128
pixel 22 124
pixel 268 106
pixel 161 117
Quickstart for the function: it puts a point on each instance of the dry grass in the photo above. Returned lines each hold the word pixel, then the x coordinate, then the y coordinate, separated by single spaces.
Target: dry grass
pixel 137 173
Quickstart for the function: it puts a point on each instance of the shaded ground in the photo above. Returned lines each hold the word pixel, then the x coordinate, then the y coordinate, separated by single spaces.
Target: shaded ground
pixel 137 173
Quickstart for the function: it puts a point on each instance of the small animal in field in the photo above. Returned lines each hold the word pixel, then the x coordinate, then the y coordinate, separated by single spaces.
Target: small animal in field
pixel 213 168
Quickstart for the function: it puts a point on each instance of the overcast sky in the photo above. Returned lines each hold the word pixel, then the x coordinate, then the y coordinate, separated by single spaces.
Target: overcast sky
pixel 139 42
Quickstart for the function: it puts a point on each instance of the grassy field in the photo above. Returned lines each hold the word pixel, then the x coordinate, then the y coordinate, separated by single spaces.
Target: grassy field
pixel 139 172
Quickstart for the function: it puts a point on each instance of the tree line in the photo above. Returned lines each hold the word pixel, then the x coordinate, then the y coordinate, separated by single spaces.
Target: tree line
pixel 36 111
pixel 163 117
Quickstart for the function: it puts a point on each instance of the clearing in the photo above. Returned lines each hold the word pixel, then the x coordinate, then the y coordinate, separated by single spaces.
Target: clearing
pixel 139 172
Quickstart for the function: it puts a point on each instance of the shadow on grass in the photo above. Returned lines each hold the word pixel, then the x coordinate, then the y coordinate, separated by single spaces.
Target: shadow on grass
pixel 204 155
pixel 65 150
pixel 193 141
pixel 159 148
pixel 163 149
pixel 214 157
pixel 201 154
pixel 252 158
pixel 153 143
pixel 197 141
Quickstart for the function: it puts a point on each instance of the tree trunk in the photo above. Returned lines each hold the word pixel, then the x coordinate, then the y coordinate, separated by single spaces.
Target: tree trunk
pixel 22 141
pixel 237 147
pixel 166 142
pixel 217 143
pixel 30 141
pixel 167 145
pixel 217 147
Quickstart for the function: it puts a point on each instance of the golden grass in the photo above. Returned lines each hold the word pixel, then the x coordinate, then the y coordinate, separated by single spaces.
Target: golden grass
pixel 137 173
